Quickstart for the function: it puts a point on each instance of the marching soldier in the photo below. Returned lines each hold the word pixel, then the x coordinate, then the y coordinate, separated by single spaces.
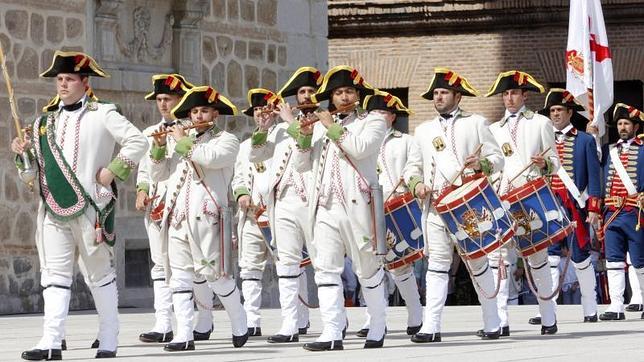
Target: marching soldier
pixel 342 153
pixel 77 184
pixel 577 186
pixel 448 144
pixel 250 189
pixel 197 168
pixel 287 202
pixel 623 190
pixel 399 158
pixel 523 136
pixel 168 90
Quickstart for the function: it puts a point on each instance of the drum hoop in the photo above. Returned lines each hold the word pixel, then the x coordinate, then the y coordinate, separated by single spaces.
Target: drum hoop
pixel 490 248
pixel 558 236
pixel 305 262
pixel 397 202
pixel 441 208
pixel 451 188
pixel 521 192
pixel 408 259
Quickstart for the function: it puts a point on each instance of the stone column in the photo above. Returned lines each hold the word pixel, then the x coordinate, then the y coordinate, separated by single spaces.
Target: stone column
pixel 106 20
pixel 186 42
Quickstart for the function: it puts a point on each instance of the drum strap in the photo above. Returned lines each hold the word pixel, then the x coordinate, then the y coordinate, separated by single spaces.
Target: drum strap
pixel 572 188
pixel 621 171
pixel 445 161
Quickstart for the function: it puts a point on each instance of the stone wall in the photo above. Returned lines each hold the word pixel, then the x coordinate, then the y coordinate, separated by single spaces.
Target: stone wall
pixel 491 37
pixel 233 45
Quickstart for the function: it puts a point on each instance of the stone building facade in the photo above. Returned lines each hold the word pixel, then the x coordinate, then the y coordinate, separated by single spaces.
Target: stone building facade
pixel 397 45
pixel 233 45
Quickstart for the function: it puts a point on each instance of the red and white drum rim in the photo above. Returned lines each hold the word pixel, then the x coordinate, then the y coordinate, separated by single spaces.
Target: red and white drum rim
pixel 492 247
pixel 441 208
pixel 407 259
pixel 558 236
pixel 524 191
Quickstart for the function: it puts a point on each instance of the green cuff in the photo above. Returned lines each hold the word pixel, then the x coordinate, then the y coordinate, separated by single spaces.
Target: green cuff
pixel 157 152
pixel 294 130
pixel 486 166
pixel 415 180
pixel 240 191
pixel 184 146
pixel 259 138
pixel 304 141
pixel 549 167
pixel 20 165
pixel 143 186
pixel 334 132
pixel 120 169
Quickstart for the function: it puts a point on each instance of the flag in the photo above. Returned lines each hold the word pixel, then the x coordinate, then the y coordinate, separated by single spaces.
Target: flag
pixel 589 67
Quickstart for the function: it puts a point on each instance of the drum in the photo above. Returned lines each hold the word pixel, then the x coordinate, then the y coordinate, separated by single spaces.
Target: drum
pixel 475 216
pixel 156 214
pixel 265 227
pixel 540 220
pixel 404 231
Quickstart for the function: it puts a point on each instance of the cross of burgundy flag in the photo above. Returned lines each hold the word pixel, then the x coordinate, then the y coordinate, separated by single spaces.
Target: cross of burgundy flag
pixel 589 67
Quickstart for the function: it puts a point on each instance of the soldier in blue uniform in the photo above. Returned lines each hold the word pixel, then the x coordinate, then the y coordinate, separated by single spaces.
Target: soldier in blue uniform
pixel 623 190
pixel 576 184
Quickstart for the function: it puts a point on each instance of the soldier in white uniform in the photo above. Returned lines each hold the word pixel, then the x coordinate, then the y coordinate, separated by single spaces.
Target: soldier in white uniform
pixel 168 90
pixel 448 144
pixel 399 158
pixel 250 189
pixel 75 177
pixel 197 168
pixel 523 135
pixel 342 153
pixel 287 202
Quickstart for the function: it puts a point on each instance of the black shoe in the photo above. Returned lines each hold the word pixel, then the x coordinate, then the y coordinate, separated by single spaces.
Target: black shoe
pixel 361 333
pixel 505 331
pixel 202 336
pixel 634 308
pixel 280 338
pixel 590 319
pixel 240 341
pixel 426 337
pixel 156 337
pixel 95 344
pixel 304 330
pixel 535 321
pixel 63 345
pixel 324 346
pixel 180 346
pixel 105 354
pixel 549 330
pixel 480 333
pixel 254 331
pixel 42 355
pixel 490 335
pixel 344 330
pixel 413 330
pixel 375 344
pixel 612 316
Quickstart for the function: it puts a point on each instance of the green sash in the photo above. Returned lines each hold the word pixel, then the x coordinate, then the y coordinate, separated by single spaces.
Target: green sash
pixel 63 194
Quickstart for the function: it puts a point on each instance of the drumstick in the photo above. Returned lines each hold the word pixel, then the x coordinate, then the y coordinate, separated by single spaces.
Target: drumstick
pixel 148 200
pixel 476 152
pixel 395 188
pixel 341 109
pixel 529 165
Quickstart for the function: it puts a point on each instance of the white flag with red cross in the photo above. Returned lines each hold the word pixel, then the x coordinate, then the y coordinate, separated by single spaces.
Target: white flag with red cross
pixel 589 67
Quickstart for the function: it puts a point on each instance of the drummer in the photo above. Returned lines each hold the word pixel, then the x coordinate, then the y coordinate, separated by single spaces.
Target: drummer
pixel 524 136
pixel 399 164
pixel 448 144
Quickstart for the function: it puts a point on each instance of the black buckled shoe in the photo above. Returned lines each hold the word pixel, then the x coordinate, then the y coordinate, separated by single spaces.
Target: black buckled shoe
pixel 634 308
pixel 180 346
pixel 505 331
pixel 202 336
pixel 612 316
pixel 426 337
pixel 95 344
pixel 42 355
pixel 535 321
pixel 105 354
pixel 413 330
pixel 240 341
pixel 549 330
pixel 156 337
pixel 375 344
pixel 280 338
pixel 254 331
pixel 304 330
pixel 361 333
pixel 590 319
pixel 490 335
pixel 63 345
pixel 324 346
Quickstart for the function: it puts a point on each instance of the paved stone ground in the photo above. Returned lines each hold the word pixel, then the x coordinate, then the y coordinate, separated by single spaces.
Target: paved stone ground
pixel 576 341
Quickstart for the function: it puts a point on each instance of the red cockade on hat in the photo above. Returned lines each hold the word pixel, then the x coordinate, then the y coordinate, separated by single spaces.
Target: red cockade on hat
pixel 357 79
pixel 81 61
pixel 520 78
pixel 172 82
pixel 452 79
pixel 211 95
